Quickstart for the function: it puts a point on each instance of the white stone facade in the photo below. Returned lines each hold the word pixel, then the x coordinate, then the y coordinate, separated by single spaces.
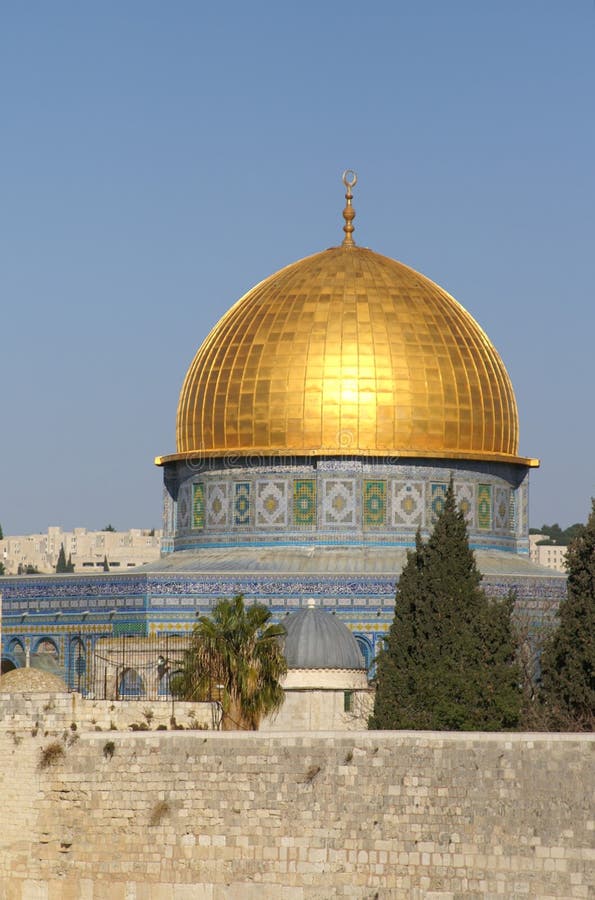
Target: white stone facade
pixel 87 549
pixel 552 556
pixel 323 700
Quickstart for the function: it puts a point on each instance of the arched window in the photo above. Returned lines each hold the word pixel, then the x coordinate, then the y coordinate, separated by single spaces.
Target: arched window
pixel 46 657
pixel 48 647
pixel 365 645
pixel 14 657
pixel 130 685
pixel 166 681
pixel 17 650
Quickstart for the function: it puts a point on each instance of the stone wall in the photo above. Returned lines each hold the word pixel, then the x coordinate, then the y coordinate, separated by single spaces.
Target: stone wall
pixel 209 815
pixel 52 713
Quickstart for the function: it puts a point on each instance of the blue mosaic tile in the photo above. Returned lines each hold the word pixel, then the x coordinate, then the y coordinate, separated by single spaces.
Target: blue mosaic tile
pixel 241 505
pixel 437 498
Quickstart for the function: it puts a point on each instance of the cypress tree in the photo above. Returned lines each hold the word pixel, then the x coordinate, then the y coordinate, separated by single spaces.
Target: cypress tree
pixel 449 659
pixel 62 565
pixel 568 659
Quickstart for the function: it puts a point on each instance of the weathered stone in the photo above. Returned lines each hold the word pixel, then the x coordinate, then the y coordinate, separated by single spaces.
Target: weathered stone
pixel 215 816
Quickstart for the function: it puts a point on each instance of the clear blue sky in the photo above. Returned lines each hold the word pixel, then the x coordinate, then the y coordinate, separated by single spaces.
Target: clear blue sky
pixel 157 159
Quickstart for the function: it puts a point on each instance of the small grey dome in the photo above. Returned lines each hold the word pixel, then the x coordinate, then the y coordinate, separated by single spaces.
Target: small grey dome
pixel 318 640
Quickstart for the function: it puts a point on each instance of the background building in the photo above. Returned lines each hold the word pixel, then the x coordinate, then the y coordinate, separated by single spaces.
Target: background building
pixel 552 556
pixel 87 549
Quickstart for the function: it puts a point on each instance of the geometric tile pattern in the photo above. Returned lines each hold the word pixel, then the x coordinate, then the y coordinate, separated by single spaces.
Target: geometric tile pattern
pixel 512 516
pixel 437 498
pixel 374 503
pixel 338 501
pixel 336 497
pixel 523 513
pixel 217 505
pixel 183 509
pixel 408 503
pixel 198 505
pixel 168 513
pixel 304 501
pixel 464 496
pixel 501 508
pixel 484 505
pixel 241 503
pixel 271 503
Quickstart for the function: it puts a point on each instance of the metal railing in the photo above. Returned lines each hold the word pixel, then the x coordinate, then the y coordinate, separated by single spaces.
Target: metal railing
pixel 135 668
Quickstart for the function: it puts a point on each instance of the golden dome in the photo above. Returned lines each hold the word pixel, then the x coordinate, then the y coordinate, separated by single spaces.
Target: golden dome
pixel 348 352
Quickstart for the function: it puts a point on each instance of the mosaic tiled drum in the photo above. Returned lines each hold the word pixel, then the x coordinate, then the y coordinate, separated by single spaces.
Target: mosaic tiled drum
pixel 343 500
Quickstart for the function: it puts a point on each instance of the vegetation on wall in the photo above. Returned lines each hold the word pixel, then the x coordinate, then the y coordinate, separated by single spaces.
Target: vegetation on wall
pixel 50 754
pixel 235 656
pixel 449 661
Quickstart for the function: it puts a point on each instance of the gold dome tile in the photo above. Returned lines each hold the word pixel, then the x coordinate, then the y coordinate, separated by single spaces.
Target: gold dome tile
pixel 348 352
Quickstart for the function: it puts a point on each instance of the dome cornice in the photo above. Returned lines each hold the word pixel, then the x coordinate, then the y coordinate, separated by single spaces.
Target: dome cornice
pixel 403 456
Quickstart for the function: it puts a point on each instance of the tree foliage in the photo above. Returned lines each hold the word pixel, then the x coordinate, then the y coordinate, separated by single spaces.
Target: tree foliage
pixel 554 534
pixel 235 654
pixel 568 660
pixel 449 659
pixel 62 566
pixel 29 569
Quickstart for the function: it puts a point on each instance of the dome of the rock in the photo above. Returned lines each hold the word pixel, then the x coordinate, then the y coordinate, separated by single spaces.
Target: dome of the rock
pixel 319 429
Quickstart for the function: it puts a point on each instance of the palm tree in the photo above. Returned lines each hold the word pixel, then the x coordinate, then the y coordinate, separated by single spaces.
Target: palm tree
pixel 238 656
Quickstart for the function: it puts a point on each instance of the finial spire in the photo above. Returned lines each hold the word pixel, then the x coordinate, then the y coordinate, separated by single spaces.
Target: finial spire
pixel 349 180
